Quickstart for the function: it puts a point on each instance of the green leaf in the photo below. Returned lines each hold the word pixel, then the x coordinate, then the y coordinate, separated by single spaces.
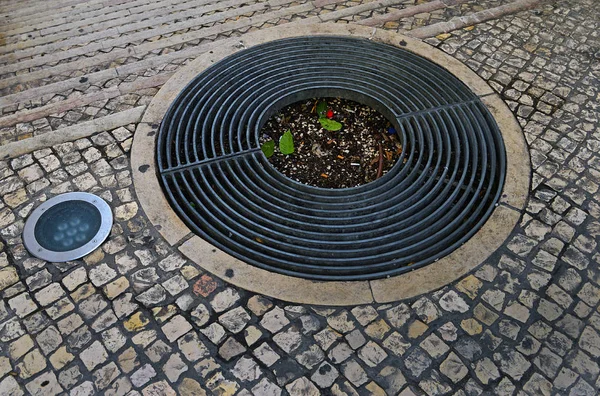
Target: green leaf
pixel 330 125
pixel 321 108
pixel 268 148
pixel 286 143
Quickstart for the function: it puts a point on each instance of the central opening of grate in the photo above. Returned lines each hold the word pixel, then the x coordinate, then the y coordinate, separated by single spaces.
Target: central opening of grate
pixel 331 142
pixel 219 181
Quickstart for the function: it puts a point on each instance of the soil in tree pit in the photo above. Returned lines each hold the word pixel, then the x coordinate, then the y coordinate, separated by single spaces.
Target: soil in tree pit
pixel 345 158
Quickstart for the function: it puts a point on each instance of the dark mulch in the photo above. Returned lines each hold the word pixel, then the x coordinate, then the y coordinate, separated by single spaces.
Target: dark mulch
pixel 333 159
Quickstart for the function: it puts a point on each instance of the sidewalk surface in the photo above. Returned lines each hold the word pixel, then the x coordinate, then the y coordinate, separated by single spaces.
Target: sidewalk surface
pixel 135 317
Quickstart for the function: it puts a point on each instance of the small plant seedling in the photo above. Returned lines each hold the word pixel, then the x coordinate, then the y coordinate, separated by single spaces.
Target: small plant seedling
pixel 321 108
pixel 330 125
pixel 325 114
pixel 268 148
pixel 286 143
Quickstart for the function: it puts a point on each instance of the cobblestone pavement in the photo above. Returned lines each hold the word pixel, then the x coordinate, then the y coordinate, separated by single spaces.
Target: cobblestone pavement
pixel 135 317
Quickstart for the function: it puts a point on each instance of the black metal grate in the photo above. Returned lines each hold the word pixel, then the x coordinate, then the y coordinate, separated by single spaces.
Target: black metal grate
pixel 439 193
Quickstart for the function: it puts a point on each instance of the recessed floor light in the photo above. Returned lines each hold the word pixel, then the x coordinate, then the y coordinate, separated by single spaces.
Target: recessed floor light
pixel 67 227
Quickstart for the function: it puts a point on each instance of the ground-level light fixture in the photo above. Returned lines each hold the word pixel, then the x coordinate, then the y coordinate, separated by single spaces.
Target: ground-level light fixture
pixel 67 227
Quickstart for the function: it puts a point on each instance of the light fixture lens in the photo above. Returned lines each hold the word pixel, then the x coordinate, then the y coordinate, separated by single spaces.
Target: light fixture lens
pixel 67 226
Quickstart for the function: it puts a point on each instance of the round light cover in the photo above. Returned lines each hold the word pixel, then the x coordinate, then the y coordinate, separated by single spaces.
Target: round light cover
pixel 67 227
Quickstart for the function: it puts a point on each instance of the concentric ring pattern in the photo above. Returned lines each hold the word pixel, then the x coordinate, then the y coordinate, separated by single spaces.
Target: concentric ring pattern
pixel 440 192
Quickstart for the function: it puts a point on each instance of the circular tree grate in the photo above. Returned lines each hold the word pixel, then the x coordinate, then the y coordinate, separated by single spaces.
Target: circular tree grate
pixel 440 192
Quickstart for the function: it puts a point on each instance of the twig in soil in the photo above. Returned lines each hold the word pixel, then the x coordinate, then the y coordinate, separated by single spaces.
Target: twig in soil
pixel 380 167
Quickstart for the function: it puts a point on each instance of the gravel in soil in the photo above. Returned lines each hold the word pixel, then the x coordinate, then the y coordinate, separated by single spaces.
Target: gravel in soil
pixel 333 159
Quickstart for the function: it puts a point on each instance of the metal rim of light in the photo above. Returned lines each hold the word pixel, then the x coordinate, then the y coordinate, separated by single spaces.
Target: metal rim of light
pixel 37 250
